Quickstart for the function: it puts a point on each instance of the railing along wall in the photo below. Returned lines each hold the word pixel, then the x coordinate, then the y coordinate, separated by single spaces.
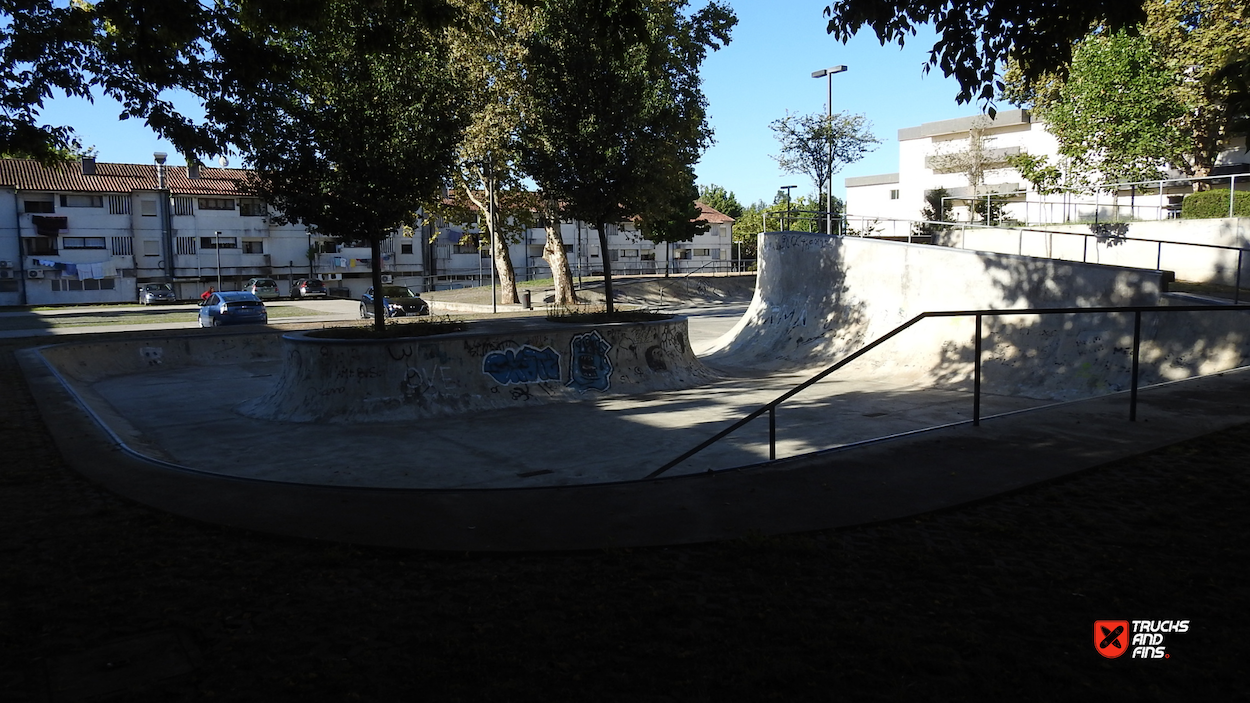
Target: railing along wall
pixel 771 407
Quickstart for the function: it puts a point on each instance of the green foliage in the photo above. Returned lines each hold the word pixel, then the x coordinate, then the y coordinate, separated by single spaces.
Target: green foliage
pixel 937 208
pixel 1037 170
pixel 618 118
pixel 362 128
pixel 978 36
pixel 1132 103
pixel 1114 116
pixel 1214 203
pixel 818 146
pixel 721 200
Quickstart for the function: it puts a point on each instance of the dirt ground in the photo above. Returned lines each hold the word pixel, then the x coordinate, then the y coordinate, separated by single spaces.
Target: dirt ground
pixel 104 599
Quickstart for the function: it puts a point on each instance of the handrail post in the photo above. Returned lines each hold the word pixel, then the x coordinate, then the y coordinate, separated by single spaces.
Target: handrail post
pixel 1237 285
pixel 1084 248
pixel 1132 407
pixel 1159 258
pixel 1232 191
pixel 976 376
pixel 772 433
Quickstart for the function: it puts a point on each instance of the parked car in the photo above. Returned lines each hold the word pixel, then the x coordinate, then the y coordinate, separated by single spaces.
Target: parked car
pixel 150 293
pixel 398 301
pixel 263 288
pixel 308 288
pixel 232 308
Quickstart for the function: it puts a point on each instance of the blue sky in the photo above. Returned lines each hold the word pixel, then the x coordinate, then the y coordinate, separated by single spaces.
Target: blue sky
pixel 764 72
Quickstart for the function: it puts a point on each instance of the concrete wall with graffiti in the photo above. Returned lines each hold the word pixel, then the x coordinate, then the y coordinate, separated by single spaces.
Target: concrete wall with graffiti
pixel 354 381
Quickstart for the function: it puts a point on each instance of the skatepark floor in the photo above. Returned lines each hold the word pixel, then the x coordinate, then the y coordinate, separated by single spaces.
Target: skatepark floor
pixel 106 599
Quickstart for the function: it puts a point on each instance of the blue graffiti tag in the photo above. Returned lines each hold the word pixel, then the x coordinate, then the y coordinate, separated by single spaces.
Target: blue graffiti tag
pixel 524 365
pixel 590 366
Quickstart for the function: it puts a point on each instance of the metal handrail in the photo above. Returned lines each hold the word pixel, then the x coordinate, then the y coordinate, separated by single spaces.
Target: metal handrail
pixel 771 407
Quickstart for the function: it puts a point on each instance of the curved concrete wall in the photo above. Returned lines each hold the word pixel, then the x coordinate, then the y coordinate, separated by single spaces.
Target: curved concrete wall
pixel 328 380
pixel 821 298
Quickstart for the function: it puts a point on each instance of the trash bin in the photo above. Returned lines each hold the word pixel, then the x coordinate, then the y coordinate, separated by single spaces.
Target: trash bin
pixel 525 299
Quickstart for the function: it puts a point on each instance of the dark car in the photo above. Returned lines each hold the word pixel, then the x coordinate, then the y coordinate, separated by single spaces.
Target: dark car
pixel 263 288
pixel 308 288
pixel 232 308
pixel 398 301
pixel 150 293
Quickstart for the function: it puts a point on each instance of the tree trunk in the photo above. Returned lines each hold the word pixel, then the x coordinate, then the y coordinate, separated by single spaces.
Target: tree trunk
pixel 558 260
pixel 607 266
pixel 379 309
pixel 503 269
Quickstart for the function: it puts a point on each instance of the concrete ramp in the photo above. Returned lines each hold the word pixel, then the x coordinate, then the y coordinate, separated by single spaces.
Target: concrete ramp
pixel 820 298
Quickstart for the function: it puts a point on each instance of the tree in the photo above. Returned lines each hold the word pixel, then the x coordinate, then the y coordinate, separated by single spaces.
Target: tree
pixel 1133 104
pixel 818 145
pixel 618 117
pixel 361 130
pixel 978 36
pixel 936 209
pixel 721 200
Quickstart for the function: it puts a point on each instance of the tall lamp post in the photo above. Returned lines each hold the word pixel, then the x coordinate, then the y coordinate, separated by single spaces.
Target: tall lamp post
pixel 786 224
pixel 827 73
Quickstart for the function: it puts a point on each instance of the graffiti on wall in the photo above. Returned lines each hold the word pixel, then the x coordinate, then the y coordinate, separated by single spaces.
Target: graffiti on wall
pixel 524 365
pixel 589 366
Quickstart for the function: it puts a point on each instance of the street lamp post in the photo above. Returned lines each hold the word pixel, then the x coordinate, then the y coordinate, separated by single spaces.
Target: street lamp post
pixel 786 224
pixel 827 73
pixel 217 246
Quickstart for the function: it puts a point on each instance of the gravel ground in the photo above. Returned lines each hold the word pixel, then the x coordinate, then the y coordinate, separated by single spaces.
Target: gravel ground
pixel 994 599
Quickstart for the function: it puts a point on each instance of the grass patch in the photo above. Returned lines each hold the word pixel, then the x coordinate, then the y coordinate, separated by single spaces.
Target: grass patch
pixel 601 315
pixel 1215 290
pixel 394 329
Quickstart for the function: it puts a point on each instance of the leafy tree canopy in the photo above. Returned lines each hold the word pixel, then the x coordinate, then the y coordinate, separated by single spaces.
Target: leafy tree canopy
pixel 818 146
pixel 977 36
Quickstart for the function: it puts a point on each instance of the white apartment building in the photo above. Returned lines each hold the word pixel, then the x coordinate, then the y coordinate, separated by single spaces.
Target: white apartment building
pixel 89 232
pixel 931 156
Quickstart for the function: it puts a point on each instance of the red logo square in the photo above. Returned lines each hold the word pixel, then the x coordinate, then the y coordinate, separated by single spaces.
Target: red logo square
pixel 1111 637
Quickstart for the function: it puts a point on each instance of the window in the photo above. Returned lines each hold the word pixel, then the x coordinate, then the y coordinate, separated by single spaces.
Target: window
pixel 253 246
pixel 82 201
pixel 122 246
pixel 702 252
pixel 183 205
pixel 216 203
pixel 629 253
pixel 405 248
pixel 70 284
pixel 40 204
pixel 83 242
pixel 119 205
pixel 681 254
pixel 464 249
pixel 147 207
pixel 184 245
pixel 151 247
pixel 219 243
pixel 647 256
pixel 894 194
pixel 251 207
pixel 39 245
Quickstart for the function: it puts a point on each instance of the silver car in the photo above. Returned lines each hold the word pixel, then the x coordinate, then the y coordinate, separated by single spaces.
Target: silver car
pixel 150 293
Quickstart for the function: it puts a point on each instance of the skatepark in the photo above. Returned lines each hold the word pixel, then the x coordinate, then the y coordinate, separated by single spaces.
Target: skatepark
pixel 535 441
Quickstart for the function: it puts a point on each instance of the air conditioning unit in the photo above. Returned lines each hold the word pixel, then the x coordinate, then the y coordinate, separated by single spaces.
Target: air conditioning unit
pixel 387 278
pixel 6 265
pixel 6 273
pixel 34 273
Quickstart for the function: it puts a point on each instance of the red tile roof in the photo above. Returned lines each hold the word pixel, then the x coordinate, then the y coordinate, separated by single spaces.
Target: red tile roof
pixel 711 215
pixel 25 174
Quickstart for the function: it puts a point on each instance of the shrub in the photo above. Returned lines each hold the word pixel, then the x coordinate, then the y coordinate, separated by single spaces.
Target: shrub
pixel 1214 203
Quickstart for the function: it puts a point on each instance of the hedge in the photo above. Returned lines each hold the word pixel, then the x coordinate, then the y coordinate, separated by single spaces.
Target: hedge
pixel 1214 203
